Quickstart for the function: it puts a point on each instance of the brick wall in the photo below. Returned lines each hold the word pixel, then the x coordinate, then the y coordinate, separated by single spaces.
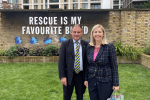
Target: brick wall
pixel 145 60
pixel 128 27
pixel 142 28
pixel 132 27
pixel 114 33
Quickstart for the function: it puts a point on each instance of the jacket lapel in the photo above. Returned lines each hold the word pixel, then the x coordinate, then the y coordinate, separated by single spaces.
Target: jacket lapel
pixel 83 48
pixel 91 54
pixel 71 47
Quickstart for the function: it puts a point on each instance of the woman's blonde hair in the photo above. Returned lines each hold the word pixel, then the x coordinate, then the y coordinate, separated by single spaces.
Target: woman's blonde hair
pixel 92 40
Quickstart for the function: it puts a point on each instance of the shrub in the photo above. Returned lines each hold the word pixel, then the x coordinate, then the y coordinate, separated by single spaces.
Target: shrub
pixel 22 51
pixel 127 50
pixel 147 49
pixel 12 52
pixel 2 52
pixel 38 52
pixel 50 50
pixel 31 52
pixel 119 48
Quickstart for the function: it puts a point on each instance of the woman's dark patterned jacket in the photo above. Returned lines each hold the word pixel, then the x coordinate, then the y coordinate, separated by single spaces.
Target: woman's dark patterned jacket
pixel 105 67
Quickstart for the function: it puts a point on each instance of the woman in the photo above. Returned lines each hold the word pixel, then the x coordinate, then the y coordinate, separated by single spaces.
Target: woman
pixel 101 76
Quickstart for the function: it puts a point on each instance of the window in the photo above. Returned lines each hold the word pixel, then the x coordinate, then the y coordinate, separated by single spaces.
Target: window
pixel 41 6
pixel 25 1
pixel 54 0
pixel 41 1
pixel 121 6
pixel 35 6
pixel 15 1
pixel 137 5
pixel 95 6
pixel 35 1
pixel 95 0
pixel 74 6
pixel 116 7
pixel 65 6
pixel 54 6
pixel 74 0
pixel 121 1
pixel 85 0
pixel 116 2
pixel 45 6
pixel 85 6
pixel 26 7
pixel 45 1
pixel 8 1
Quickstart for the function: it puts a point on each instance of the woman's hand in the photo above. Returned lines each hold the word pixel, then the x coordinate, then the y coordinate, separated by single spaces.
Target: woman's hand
pixel 116 88
pixel 86 83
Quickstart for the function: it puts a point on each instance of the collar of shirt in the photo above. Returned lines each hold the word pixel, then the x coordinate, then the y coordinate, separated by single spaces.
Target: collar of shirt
pixel 77 41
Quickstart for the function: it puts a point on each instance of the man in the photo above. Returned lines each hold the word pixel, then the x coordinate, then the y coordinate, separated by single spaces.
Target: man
pixel 72 60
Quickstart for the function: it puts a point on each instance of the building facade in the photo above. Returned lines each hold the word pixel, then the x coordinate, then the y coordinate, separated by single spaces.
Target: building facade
pixel 117 4
pixel 0 3
pixel 68 4
pixel 133 3
pixel 65 4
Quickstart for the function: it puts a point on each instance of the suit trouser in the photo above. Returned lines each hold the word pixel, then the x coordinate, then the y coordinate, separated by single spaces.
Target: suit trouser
pixel 77 81
pixel 99 90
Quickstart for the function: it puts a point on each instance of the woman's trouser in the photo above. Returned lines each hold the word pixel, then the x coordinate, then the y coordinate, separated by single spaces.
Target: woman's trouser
pixel 99 90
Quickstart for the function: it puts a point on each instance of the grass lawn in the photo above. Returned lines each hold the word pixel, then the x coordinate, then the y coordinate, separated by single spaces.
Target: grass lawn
pixel 39 81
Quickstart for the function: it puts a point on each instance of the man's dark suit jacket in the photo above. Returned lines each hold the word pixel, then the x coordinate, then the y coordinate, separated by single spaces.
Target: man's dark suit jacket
pixel 67 59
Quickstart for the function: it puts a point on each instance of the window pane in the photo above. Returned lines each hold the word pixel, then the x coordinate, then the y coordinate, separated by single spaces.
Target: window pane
pixel 95 6
pixel 116 2
pixel 35 6
pixel 65 6
pixel 116 7
pixel 121 6
pixel 35 1
pixel 85 5
pixel 15 1
pixel 95 0
pixel 54 0
pixel 121 1
pixel 25 1
pixel 8 1
pixel 74 6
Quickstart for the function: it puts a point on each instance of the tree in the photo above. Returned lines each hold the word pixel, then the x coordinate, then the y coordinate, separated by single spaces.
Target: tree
pixel 145 4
